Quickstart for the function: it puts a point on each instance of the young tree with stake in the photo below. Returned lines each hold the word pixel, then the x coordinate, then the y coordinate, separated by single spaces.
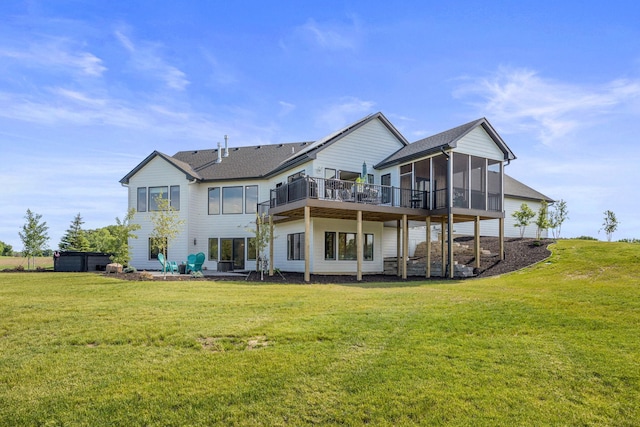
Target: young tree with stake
pixel 34 236
pixel 523 218
pixel 166 225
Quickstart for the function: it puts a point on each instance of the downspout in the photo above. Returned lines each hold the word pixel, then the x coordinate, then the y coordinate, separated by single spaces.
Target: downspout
pixel 190 239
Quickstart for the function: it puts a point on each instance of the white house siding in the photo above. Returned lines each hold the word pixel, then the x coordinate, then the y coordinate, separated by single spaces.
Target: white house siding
pixel 491 227
pixel 267 185
pixel 157 173
pixel 322 266
pixel 280 260
pixel 371 143
pixel 317 263
pixel 479 143
pixel 417 234
pixel 221 225
pixel 196 225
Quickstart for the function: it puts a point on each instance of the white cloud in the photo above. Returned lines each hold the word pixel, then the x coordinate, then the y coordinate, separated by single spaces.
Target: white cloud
pixel 147 57
pixel 79 97
pixel 124 41
pixel 522 100
pixel 56 53
pixel 332 36
pixel 285 108
pixel 222 73
pixel 65 107
pixel 347 110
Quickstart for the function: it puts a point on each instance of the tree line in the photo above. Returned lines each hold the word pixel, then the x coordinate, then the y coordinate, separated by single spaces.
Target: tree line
pixel 552 219
pixel 112 239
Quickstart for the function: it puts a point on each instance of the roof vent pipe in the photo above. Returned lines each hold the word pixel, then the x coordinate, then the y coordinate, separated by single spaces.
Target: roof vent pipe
pixel 226 146
pixel 219 159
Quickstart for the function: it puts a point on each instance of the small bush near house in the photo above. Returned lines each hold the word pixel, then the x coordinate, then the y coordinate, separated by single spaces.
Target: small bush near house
pixel 145 275
pixel 130 269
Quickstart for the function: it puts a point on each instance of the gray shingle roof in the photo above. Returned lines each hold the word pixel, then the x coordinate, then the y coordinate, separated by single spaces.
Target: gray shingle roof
pixel 514 188
pixel 259 161
pixel 444 140
pixel 243 162
pixel 256 161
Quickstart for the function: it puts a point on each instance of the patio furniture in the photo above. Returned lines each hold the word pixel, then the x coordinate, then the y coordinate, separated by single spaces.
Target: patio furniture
pixel 194 262
pixel 167 266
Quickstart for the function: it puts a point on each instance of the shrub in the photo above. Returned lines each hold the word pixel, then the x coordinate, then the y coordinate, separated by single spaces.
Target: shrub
pixel 585 238
pixel 20 267
pixel 145 275
pixel 197 274
pixel 130 269
pixel 629 240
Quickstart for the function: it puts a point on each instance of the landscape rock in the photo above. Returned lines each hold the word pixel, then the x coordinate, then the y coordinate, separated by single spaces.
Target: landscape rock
pixel 114 268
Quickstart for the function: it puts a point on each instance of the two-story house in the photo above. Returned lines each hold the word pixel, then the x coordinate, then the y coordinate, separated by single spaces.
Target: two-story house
pixel 338 205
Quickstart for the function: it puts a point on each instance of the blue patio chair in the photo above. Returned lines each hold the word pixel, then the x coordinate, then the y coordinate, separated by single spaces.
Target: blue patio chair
pixel 167 267
pixel 191 263
pixel 200 256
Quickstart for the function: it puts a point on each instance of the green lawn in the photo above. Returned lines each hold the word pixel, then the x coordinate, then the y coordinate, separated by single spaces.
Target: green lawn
pixel 556 344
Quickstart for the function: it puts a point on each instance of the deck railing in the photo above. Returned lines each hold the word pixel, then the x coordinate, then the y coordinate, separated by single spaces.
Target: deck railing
pixel 371 194
pixel 350 191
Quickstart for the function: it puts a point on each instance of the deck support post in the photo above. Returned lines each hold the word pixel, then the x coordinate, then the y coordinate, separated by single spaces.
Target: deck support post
pixel 428 248
pixel 270 245
pixel 359 249
pixel 405 245
pixel 257 234
pixel 443 253
pixel 450 245
pixel 501 232
pixel 476 233
pixel 398 266
pixel 307 243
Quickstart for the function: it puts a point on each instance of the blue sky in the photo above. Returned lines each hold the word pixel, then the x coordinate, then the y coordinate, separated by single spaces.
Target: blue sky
pixel 89 89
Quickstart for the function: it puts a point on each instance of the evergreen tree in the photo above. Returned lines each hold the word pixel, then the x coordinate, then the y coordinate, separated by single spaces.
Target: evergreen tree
pixel 33 235
pixel 5 249
pixel 75 238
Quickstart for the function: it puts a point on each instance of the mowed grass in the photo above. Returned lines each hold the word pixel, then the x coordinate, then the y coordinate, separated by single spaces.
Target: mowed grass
pixel 555 344
pixel 12 262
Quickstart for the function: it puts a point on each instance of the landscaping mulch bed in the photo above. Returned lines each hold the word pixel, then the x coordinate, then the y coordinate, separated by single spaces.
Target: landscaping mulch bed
pixel 519 253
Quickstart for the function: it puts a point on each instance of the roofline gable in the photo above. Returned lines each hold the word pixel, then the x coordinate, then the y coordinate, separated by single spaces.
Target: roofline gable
pixel 310 152
pixel 452 143
pixel 497 139
pixel 190 174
